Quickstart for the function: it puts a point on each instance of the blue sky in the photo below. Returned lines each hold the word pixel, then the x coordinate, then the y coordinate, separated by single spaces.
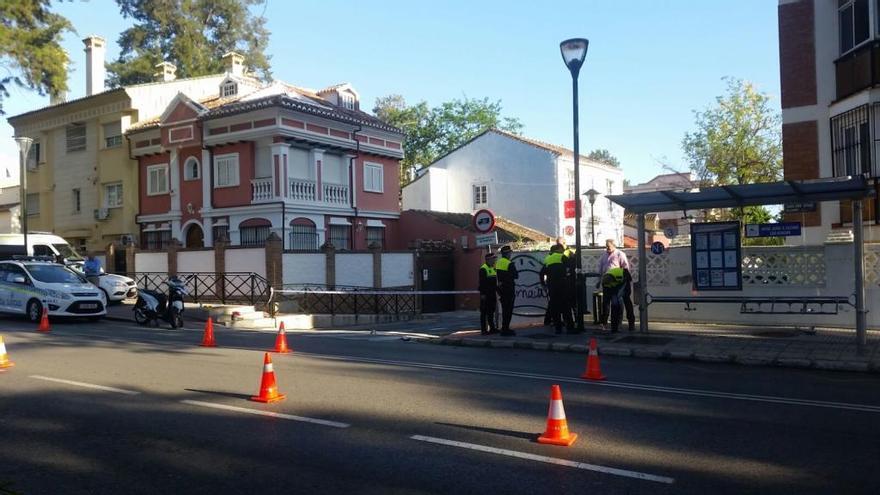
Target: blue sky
pixel 650 62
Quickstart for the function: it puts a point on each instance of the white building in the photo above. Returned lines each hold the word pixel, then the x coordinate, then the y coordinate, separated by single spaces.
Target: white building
pixel 523 180
pixel 678 221
pixel 10 210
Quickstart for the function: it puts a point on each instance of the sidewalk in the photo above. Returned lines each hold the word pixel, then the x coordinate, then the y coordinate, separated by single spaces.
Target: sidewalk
pixel 123 312
pixel 826 349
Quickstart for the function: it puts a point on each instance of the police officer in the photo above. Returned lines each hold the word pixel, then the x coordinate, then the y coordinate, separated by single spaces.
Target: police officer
pixel 613 292
pixel 507 276
pixel 488 287
pixel 554 277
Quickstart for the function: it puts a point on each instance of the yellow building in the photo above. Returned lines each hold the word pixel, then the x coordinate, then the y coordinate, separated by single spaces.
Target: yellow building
pixel 81 181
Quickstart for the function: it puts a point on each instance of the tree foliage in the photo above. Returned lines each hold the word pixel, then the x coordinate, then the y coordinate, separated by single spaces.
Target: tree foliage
pixel 738 140
pixel 192 34
pixel 604 156
pixel 31 55
pixel 432 132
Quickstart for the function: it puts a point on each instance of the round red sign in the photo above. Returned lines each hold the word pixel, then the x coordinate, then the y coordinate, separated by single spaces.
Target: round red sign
pixel 484 221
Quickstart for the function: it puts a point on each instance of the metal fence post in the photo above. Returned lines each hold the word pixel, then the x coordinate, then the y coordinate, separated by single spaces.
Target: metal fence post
pixel 253 298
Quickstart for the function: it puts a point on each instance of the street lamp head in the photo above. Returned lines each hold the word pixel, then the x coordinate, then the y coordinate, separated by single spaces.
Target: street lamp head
pixel 24 143
pixel 574 51
pixel 591 195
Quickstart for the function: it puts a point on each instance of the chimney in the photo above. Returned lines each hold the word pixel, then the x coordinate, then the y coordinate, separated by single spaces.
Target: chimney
pixel 234 63
pixel 165 72
pixel 95 48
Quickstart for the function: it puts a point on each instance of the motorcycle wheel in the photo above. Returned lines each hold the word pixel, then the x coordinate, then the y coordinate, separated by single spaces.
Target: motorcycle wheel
pixel 140 317
pixel 175 319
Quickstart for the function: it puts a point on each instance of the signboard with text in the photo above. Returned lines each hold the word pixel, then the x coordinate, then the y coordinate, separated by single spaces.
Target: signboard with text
pixel 781 229
pixel 716 256
pixel 570 208
pixel 483 240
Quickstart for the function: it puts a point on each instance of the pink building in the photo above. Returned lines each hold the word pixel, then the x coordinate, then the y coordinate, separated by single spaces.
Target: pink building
pixel 260 158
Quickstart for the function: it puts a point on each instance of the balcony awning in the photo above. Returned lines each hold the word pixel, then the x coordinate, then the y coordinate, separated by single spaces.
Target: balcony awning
pixel 768 193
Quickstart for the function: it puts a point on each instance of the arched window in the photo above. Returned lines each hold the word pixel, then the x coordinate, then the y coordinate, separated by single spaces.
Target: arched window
pixel 254 232
pixel 191 169
pixel 303 235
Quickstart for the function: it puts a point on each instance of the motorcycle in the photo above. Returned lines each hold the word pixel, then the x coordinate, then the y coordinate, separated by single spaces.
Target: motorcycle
pixel 152 305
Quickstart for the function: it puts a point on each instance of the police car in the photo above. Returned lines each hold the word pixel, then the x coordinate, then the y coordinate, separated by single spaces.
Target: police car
pixel 28 285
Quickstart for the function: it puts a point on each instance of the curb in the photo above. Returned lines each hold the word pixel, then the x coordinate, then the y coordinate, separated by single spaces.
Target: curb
pixel 678 354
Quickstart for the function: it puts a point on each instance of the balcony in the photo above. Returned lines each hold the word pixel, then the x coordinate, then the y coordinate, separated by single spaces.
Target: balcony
pixel 336 194
pixel 301 191
pixel 262 190
pixel 858 70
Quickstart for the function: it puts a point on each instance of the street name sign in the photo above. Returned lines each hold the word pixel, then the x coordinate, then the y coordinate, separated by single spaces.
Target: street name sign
pixel 484 240
pixel 781 229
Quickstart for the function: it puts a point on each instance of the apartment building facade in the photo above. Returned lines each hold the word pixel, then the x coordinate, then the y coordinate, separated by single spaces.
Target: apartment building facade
pixel 830 78
pixel 251 160
pixel 82 181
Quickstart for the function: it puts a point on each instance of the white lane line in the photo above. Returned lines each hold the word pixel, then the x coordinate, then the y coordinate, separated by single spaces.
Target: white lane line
pixel 548 460
pixel 271 414
pixel 612 384
pixel 86 385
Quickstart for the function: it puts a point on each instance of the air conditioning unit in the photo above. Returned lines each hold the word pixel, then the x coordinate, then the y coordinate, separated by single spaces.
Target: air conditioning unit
pixel 102 214
pixel 126 239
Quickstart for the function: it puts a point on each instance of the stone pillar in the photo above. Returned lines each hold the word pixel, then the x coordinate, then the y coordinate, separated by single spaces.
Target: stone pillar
pixel 174 189
pixel 330 266
pixel 316 157
pixel 110 258
pixel 274 261
pixel 377 266
pixel 173 246
pixel 130 258
pixel 220 267
pixel 280 151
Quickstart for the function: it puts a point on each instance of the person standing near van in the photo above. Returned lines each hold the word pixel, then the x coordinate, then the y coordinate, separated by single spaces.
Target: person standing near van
pixel 92 268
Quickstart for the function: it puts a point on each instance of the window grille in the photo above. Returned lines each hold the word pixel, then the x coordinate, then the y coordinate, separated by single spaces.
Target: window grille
pixel 254 236
pixel 303 237
pixel 340 236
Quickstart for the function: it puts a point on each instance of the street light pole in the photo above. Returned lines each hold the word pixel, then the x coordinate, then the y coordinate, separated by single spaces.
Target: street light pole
pixel 591 197
pixel 24 146
pixel 574 51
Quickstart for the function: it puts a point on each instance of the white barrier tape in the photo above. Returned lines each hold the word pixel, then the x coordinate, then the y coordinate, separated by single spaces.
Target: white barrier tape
pixel 377 292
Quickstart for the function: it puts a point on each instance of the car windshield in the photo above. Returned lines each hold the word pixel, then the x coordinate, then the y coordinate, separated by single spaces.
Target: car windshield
pixel 67 252
pixel 53 274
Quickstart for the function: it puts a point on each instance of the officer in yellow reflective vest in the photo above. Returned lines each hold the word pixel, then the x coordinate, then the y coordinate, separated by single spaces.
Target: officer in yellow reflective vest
pixel 554 278
pixel 507 276
pixel 488 287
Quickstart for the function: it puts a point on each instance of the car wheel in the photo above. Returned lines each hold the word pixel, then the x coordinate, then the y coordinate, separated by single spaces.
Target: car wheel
pixel 107 297
pixel 140 317
pixel 34 311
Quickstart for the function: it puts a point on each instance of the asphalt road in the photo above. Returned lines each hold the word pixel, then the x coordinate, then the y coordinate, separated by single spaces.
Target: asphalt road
pixel 376 414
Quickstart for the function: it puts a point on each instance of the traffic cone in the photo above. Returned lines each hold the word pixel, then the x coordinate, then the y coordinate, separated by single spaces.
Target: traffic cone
pixel 44 321
pixel 281 341
pixel 268 388
pixel 208 338
pixel 4 358
pixel 593 372
pixel 557 426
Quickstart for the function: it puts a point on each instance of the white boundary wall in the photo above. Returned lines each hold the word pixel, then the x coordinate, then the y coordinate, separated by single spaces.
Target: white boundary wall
pixel 305 268
pixel 354 269
pixel 151 262
pixel 397 270
pixel 195 261
pixel 244 260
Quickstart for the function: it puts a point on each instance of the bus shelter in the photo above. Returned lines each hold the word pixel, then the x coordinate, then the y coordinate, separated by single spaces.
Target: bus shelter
pixel 734 196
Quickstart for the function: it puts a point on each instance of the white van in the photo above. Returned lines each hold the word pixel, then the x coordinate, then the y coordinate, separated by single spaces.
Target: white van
pixel 115 287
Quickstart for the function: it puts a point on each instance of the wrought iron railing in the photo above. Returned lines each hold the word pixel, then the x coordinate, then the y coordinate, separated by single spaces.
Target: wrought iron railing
pixel 322 299
pixel 209 287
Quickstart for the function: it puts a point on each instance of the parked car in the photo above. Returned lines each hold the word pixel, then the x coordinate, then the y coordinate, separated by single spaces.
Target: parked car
pixel 26 285
pixel 115 287
pixel 39 244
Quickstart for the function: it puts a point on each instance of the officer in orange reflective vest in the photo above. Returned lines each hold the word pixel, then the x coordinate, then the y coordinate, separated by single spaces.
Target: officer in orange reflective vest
pixel 554 277
pixel 507 276
pixel 488 287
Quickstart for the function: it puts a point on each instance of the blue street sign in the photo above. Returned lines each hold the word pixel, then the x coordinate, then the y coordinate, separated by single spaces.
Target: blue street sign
pixel 782 229
pixel 657 247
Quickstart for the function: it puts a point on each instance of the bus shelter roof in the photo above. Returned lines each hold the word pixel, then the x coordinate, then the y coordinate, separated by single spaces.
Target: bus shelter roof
pixel 767 193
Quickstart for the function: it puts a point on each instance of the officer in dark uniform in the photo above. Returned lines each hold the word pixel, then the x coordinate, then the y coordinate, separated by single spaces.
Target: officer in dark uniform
pixel 554 277
pixel 507 276
pixel 488 288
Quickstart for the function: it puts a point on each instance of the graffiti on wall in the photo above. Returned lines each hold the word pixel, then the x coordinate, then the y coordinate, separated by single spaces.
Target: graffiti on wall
pixel 531 296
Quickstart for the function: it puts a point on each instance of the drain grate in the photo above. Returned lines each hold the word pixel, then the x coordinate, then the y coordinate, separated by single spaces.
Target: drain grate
pixel 634 339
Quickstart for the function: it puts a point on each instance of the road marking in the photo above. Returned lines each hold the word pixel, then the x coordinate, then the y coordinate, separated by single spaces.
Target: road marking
pixel 271 414
pixel 612 384
pixel 548 460
pixel 86 385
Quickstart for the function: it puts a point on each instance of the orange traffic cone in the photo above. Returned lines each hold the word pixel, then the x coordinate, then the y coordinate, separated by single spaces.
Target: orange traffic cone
pixel 268 388
pixel 593 372
pixel 557 426
pixel 208 338
pixel 281 341
pixel 4 358
pixel 44 321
